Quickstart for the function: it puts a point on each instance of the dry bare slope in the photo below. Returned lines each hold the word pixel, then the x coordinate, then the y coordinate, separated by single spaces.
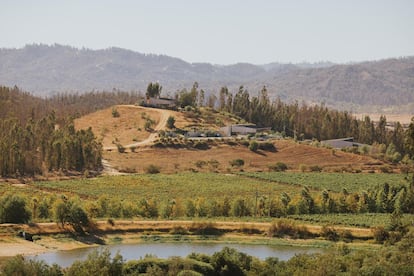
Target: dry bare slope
pixel 218 158
pixel 127 129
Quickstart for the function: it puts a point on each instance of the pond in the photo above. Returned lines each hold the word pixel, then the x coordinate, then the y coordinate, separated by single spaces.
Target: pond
pixel 165 250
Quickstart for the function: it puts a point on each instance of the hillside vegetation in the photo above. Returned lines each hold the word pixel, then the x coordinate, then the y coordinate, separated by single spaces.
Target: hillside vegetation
pixel 37 135
pixel 130 125
pixel 51 69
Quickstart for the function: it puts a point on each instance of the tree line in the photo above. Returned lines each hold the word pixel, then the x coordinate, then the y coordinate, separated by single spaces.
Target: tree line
pixel 302 121
pixel 22 106
pixel 37 135
pixel 391 199
pixel 40 146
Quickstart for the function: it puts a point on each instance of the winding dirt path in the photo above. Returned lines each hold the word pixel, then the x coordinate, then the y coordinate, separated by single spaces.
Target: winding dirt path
pixel 108 169
pixel 164 114
pixel 160 126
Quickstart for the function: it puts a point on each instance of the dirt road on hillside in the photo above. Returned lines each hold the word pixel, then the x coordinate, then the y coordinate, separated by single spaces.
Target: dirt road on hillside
pixel 162 123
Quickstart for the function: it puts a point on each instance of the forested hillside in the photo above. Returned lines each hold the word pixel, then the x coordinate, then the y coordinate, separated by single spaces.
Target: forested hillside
pixel 37 135
pixel 308 121
pixel 46 70
pixel 381 83
pixel 21 105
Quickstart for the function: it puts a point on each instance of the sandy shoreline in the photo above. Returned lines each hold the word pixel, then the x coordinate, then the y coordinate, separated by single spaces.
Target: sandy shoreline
pixel 18 246
pixel 52 237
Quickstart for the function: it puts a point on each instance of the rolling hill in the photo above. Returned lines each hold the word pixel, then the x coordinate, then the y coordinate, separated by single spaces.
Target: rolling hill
pixel 45 70
pixel 127 130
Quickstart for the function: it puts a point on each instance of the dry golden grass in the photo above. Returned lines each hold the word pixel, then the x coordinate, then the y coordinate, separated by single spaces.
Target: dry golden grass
pixel 174 160
pixel 129 126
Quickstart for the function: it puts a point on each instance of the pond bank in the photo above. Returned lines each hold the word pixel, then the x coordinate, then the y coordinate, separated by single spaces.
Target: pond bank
pixel 51 236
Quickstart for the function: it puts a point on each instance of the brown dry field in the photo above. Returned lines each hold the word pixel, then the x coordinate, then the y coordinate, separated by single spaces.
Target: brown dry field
pixel 293 154
pixel 129 126
pixel 125 127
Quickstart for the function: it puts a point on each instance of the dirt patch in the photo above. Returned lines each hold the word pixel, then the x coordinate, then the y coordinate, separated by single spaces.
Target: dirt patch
pixel 16 246
pixel 127 128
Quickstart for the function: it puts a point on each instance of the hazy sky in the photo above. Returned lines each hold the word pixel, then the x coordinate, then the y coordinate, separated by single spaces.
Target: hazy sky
pixel 219 31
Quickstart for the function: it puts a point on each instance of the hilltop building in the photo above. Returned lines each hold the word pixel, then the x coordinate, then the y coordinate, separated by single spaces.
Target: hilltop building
pixel 165 103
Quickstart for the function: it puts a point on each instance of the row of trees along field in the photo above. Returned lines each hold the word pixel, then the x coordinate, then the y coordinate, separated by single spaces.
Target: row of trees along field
pixel 391 199
pixel 40 146
pixel 301 121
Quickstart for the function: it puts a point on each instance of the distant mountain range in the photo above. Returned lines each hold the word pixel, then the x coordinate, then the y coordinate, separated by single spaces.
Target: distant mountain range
pixel 45 70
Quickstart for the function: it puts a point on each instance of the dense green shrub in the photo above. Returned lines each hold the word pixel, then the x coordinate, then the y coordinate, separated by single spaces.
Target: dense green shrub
pixel 278 167
pixel 19 265
pixel 240 208
pixel 229 261
pixel 237 163
pixel 121 148
pixel 13 209
pixel 315 168
pixel 152 169
pixel 200 163
pixel 115 112
pixel 201 145
pixel 97 263
pixel 267 146
pixel 329 233
pixel 253 146
pixel 171 122
pixel 380 234
pixel 284 227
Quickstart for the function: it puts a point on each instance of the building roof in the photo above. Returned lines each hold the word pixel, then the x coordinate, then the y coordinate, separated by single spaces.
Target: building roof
pixel 342 143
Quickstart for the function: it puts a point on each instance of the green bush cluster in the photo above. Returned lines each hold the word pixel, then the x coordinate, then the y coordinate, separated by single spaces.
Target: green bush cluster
pixel 13 209
pixel 278 167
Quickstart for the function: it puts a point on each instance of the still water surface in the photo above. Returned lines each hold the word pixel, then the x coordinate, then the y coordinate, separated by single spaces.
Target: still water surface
pixel 165 250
